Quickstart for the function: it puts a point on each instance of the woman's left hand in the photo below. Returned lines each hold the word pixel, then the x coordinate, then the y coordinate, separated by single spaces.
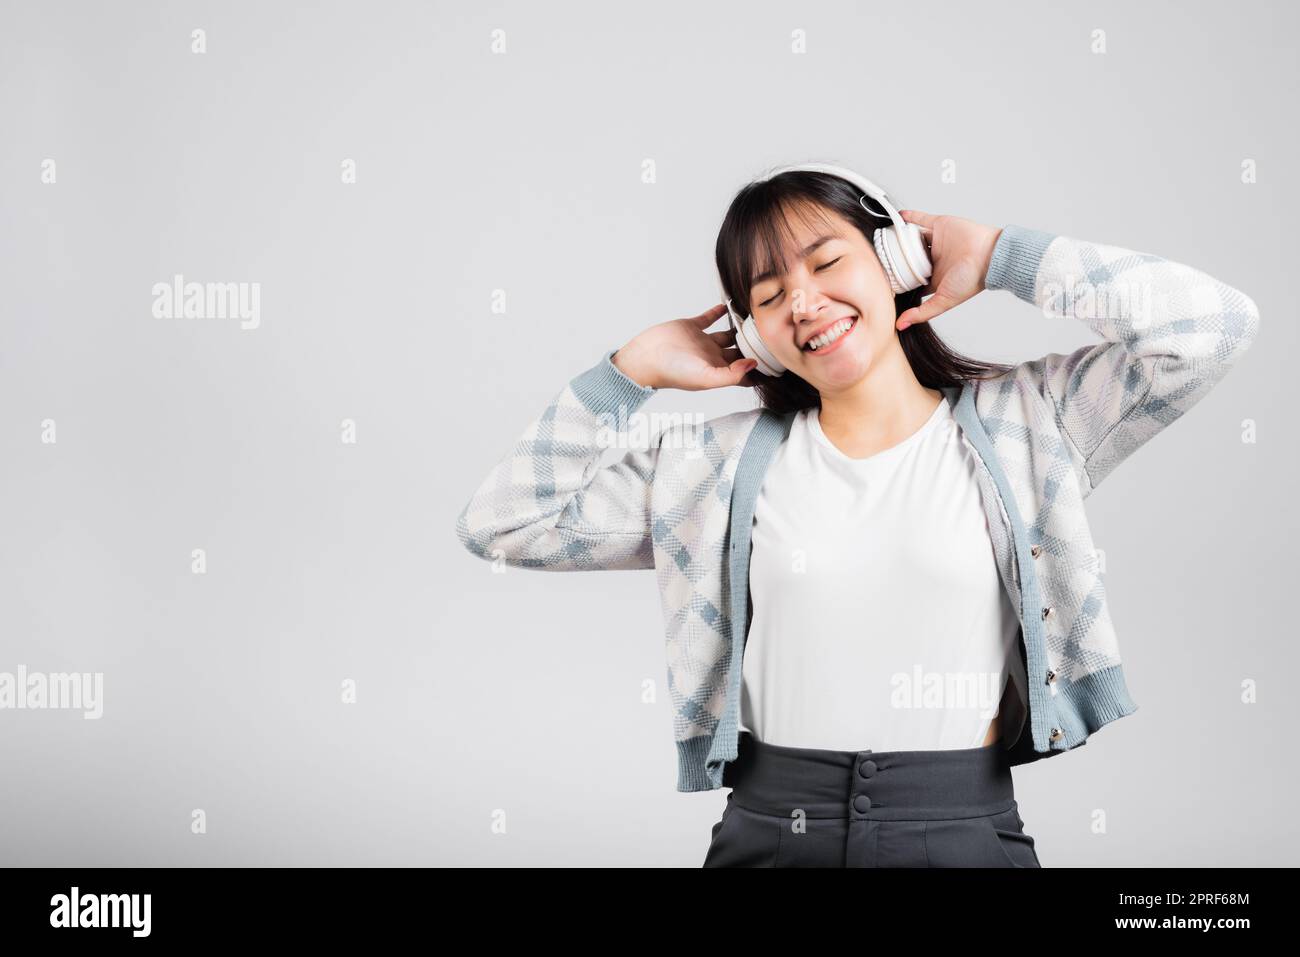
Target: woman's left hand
pixel 960 251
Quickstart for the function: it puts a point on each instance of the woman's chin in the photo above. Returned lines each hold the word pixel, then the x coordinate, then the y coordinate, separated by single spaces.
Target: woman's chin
pixel 836 371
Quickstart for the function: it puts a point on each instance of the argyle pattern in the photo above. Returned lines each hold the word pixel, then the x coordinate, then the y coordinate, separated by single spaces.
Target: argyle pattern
pixel 1062 423
pixel 1057 426
pixel 550 505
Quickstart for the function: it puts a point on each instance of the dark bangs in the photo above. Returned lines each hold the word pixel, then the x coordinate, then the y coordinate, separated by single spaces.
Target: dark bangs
pixel 757 236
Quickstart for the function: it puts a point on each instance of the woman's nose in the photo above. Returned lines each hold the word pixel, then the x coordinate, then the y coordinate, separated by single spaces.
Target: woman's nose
pixel 807 304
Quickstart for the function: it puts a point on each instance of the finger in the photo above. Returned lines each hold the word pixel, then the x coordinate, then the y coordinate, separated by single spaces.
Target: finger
pixel 710 316
pixel 733 373
pixel 724 338
pixel 918 217
pixel 743 368
pixel 935 305
pixel 927 236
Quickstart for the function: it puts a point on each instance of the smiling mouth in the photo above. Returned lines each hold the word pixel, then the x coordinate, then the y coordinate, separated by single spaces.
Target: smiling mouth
pixel 820 344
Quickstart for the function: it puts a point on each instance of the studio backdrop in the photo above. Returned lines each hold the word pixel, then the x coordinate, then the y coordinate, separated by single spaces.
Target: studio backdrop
pixel 283 282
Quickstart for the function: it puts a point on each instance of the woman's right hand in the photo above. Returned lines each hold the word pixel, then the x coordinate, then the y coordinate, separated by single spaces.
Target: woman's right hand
pixel 679 354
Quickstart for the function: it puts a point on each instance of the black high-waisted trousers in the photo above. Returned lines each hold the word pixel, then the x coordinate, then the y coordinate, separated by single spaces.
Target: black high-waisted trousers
pixel 810 807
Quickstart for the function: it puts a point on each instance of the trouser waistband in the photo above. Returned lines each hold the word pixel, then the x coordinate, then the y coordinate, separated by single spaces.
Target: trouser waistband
pixel 867 784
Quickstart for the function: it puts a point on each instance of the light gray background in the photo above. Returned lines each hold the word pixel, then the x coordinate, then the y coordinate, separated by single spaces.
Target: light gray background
pixel 522 172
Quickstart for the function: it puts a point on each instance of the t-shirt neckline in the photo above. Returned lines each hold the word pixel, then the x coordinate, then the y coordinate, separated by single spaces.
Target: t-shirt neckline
pixel 814 425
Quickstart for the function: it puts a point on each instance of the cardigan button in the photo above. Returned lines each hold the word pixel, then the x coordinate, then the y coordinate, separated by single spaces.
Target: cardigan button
pixel 1036 550
pixel 1047 612
pixel 862 804
pixel 1051 675
pixel 867 768
pixel 1057 734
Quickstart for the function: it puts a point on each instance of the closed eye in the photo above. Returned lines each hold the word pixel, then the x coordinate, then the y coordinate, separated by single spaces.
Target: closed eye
pixel 818 269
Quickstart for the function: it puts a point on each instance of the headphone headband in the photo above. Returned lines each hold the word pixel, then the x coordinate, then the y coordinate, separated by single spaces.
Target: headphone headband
pixel 854 177
pixel 920 271
pixel 898 247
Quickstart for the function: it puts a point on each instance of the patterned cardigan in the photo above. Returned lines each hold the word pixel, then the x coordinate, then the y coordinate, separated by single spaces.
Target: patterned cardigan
pixel 1045 434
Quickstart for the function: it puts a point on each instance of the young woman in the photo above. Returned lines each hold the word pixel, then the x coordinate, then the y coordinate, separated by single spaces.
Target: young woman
pixel 879 588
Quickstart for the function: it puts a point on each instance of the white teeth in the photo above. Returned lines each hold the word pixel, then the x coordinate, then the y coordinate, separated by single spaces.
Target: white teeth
pixel 831 334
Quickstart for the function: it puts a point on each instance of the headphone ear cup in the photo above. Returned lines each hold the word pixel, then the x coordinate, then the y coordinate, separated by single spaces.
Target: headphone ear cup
pixel 903 256
pixel 751 346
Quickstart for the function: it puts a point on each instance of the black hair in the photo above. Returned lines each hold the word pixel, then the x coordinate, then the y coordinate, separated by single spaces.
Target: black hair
pixel 761 211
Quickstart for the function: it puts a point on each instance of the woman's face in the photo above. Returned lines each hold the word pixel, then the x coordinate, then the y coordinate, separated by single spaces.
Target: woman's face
pixel 832 273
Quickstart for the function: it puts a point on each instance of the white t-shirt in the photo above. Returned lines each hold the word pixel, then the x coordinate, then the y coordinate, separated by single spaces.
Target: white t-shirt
pixel 879 619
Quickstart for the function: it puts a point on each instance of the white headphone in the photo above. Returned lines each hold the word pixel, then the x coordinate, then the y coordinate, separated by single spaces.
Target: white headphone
pixel 899 248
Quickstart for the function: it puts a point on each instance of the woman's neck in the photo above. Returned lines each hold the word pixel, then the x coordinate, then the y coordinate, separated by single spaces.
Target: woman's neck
pixel 881 410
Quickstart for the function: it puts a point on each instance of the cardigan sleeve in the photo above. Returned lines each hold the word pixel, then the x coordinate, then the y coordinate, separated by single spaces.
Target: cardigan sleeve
pixel 549 505
pixel 1170 334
